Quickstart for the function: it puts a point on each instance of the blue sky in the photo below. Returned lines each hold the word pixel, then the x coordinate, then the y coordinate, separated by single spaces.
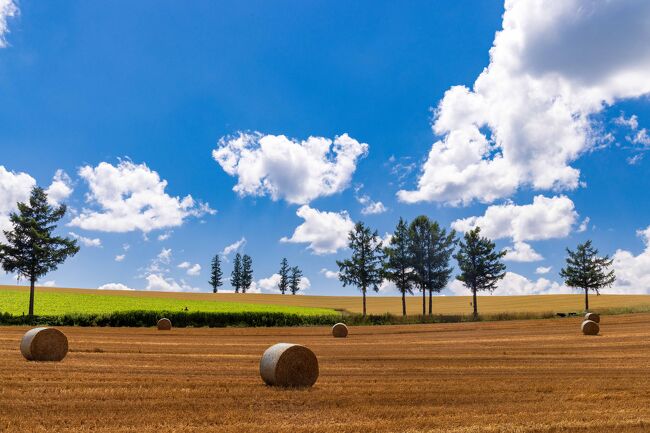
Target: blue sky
pixel 138 105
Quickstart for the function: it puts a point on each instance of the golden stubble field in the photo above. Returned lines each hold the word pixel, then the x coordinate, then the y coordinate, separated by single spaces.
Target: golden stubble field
pixel 528 376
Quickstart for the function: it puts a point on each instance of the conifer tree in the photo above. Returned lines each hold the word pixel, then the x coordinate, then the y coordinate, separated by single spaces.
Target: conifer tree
pixel 215 274
pixel 246 273
pixel 236 275
pixel 480 264
pixel 295 279
pixel 398 267
pixel 365 268
pixel 585 270
pixel 283 284
pixel 31 250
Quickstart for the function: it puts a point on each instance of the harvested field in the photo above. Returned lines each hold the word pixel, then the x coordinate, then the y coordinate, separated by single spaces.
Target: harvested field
pixel 517 376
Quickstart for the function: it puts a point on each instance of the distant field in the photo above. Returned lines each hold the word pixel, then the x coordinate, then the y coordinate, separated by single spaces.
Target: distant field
pixel 53 302
pixel 69 300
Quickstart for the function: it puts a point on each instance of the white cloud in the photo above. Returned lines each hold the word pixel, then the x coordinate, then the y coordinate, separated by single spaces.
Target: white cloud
pixel 325 232
pixel 87 242
pixel 522 252
pixel 632 272
pixel 234 247
pixel 158 264
pixel 120 257
pixel 14 188
pixel 370 207
pixel 192 270
pixel 631 122
pixel 132 197
pixel 8 9
pixel 164 236
pixel 584 225
pixel 50 283
pixel 114 286
pixel 514 284
pixel 158 282
pixel 527 117
pixel 332 275
pixel 543 270
pixel 270 284
pixel 545 218
pixel 284 168
pixel 60 188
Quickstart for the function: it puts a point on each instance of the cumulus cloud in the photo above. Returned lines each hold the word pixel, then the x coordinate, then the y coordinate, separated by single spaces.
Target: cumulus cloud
pixel 632 272
pixel 191 270
pixel 114 286
pixel 120 257
pixel 234 247
pixel 296 171
pixel 543 270
pixel 332 275
pixel 132 197
pixel 545 218
pixel 527 116
pixel 522 252
pixel 515 284
pixel 14 188
pixel 325 232
pixel 60 188
pixel 87 242
pixel 8 10
pixel 160 283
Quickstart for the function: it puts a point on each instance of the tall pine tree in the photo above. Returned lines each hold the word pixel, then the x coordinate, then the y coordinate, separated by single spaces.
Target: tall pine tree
pixel 236 275
pixel 246 273
pixel 480 264
pixel 31 250
pixel 295 279
pixel 365 268
pixel 215 274
pixel 398 267
pixel 283 284
pixel 585 270
pixel 419 240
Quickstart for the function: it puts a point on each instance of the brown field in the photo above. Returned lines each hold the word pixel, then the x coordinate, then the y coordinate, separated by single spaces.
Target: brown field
pixel 517 376
pixel 392 304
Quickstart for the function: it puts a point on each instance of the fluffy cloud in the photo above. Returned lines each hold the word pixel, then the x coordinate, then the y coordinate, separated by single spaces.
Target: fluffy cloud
pixel 87 242
pixel 325 232
pixel 632 272
pixel 527 117
pixel 545 218
pixel 284 168
pixel 522 252
pixel 14 188
pixel 60 188
pixel 332 275
pixel 515 284
pixel 120 257
pixel 8 9
pixel 158 282
pixel 543 270
pixel 132 197
pixel 192 270
pixel 235 246
pixel 114 286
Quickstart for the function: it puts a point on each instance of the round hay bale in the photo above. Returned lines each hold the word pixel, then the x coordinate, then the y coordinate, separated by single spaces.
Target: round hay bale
pixel 593 317
pixel 340 330
pixel 289 365
pixel 44 344
pixel 589 327
pixel 164 324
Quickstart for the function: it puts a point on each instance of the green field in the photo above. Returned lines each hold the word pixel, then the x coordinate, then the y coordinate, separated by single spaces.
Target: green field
pixel 52 303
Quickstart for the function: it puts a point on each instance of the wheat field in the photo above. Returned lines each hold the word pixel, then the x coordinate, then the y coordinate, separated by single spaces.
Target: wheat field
pixel 497 377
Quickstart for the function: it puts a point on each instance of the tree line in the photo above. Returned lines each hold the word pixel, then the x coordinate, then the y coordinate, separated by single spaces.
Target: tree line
pixel 241 278
pixel 418 257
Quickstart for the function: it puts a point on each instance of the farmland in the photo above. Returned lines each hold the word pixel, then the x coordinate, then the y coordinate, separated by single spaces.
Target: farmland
pixel 517 376
pixel 83 300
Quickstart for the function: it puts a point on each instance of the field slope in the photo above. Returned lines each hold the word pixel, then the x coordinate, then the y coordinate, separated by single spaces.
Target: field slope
pixel 58 300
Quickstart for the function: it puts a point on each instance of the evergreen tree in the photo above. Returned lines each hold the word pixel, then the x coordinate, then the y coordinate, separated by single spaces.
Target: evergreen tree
pixel 32 250
pixel 398 267
pixel 365 268
pixel 246 273
pixel 283 284
pixel 294 280
pixel 480 265
pixel 419 240
pixel 216 275
pixel 236 275
pixel 585 270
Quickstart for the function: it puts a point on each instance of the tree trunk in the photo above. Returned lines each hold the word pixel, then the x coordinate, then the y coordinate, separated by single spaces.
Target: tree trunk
pixel 430 302
pixel 424 301
pixel 32 282
pixel 403 303
pixel 474 304
pixel 364 302
pixel 586 299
